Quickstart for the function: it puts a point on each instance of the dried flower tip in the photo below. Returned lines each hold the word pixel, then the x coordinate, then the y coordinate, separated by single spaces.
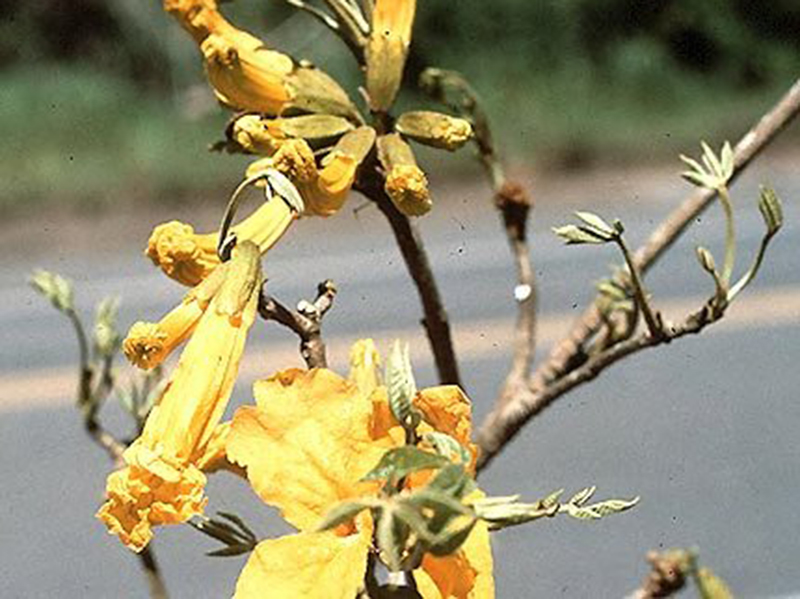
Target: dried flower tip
pixel 406 184
pixel 407 187
pixel 434 129
pixel 252 135
pixel 181 254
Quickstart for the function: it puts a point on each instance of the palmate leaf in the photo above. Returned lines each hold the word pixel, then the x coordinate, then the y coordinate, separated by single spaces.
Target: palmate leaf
pixel 55 288
pixel 402 461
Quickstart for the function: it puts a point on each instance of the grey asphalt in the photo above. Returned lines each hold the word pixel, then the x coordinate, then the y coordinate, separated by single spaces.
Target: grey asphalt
pixel 704 430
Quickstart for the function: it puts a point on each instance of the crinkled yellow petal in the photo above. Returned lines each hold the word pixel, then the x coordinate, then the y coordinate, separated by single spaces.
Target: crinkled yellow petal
pixel 189 258
pixel 466 574
pixel 407 187
pixel 294 158
pixel 181 254
pixel 151 491
pixel 365 365
pixel 306 444
pixel 148 344
pixel 306 565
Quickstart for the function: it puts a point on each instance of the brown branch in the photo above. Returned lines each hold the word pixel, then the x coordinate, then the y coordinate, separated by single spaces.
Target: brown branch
pixel 413 251
pixel 569 361
pixel 667 577
pixel 563 356
pixel 514 206
pixel 503 424
pixel 306 321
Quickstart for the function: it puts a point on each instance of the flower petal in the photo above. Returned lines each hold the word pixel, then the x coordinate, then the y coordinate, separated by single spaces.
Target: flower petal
pixel 308 565
pixel 466 574
pixel 307 443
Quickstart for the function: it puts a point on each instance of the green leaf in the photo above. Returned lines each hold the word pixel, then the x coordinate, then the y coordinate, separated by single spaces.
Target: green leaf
pixel 400 384
pixel 107 339
pixel 573 235
pixel 402 461
pixel 582 496
pixel 231 550
pixel 55 288
pixel 344 512
pixel 451 539
pixel 447 446
pixel 771 210
pixel 595 223
pixel 385 535
pixel 599 510
pixel 706 260
pixel 452 480
pixel 552 499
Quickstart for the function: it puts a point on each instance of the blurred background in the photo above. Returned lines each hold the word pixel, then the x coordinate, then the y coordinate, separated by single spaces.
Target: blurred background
pixel 106 117
pixel 105 99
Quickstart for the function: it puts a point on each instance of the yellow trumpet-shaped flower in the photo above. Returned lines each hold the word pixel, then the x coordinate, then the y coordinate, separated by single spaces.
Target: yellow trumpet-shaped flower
pixel 246 75
pixel 338 172
pixel 188 257
pixel 162 482
pixel 387 49
pixel 305 446
pixel 148 344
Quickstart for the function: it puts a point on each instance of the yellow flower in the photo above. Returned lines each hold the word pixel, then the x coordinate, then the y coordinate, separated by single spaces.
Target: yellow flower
pixel 387 48
pixel 406 184
pixel 188 257
pixel 246 75
pixel 324 190
pixel 162 482
pixel 148 344
pixel 305 446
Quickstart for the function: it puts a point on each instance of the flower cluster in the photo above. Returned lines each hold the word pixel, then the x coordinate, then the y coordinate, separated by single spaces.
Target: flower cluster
pixel 313 441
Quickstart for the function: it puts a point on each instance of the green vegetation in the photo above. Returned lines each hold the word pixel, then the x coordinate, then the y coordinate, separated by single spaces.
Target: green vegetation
pixel 114 110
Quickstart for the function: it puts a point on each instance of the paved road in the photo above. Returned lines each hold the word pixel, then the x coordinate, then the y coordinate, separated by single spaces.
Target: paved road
pixel 705 430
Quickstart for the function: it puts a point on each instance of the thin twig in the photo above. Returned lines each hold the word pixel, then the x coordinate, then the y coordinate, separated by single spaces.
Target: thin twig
pixel 454 91
pixel 564 354
pixel 413 251
pixel 503 424
pixel 570 355
pixel 306 321
pixel 155 583
pixel 90 398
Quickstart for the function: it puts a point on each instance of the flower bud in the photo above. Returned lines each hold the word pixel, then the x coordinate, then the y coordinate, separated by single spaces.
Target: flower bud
pixel 406 184
pixel 434 129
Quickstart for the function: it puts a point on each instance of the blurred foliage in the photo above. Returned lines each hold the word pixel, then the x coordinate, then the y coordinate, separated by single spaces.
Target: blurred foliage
pixel 574 80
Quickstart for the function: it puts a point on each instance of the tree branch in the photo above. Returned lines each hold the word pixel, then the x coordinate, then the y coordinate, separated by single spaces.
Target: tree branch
pixel 306 321
pixel 413 251
pixel 569 363
pixel 564 355
pixel 504 423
